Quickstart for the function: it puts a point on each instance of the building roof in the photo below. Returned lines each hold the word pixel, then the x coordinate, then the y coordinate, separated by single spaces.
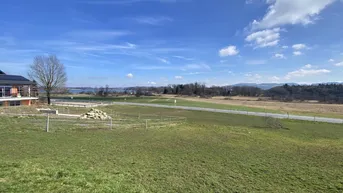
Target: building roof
pixel 13 79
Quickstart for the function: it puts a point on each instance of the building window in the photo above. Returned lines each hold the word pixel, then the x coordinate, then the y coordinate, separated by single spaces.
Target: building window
pixel 14 103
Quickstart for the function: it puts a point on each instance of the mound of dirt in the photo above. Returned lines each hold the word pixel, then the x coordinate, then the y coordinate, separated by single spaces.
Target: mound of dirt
pixel 95 114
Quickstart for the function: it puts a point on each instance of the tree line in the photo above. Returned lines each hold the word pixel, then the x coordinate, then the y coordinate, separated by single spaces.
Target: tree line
pixel 326 93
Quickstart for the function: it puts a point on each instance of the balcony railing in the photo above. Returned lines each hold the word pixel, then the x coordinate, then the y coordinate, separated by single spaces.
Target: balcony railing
pixel 16 92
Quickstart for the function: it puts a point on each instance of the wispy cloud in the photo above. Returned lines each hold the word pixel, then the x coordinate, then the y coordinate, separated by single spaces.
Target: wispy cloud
pixel 98 34
pixel 184 58
pixel 339 64
pixel 103 47
pixel 153 67
pixel 196 67
pixel 163 60
pixel 256 62
pixel 194 73
pixel 306 70
pixel 158 20
pixel 125 2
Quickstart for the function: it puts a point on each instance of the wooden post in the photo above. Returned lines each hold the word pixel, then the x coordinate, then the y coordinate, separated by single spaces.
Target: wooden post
pixel 47 123
pixel 139 115
pixel 146 124
pixel 111 124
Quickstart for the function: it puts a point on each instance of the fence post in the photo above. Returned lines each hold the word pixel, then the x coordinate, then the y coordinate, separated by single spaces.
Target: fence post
pixel 139 115
pixel 111 124
pixel 146 124
pixel 47 122
pixel 314 118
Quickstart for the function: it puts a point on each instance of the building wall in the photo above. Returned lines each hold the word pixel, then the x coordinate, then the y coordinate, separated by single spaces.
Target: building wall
pixel 25 103
pixel 22 103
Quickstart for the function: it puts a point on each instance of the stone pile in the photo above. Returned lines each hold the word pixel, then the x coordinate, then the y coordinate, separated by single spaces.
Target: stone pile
pixel 95 114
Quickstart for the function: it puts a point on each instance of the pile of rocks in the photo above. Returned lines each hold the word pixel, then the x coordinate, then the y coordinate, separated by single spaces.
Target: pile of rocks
pixel 95 114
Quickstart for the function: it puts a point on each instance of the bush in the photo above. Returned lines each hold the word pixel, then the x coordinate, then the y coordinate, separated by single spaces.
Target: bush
pixel 274 123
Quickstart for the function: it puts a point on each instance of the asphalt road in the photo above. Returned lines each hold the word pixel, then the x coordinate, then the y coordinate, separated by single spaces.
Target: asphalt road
pixel 260 114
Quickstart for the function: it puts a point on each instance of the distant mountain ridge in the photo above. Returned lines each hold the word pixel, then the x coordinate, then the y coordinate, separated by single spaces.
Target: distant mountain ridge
pixel 264 86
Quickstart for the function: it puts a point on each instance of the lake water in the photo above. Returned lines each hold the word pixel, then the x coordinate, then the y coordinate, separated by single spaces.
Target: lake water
pixel 93 90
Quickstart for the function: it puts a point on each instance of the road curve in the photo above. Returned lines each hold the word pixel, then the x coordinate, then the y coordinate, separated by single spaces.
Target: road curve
pixel 259 114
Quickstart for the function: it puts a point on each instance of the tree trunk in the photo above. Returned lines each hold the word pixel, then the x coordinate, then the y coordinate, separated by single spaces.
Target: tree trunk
pixel 48 96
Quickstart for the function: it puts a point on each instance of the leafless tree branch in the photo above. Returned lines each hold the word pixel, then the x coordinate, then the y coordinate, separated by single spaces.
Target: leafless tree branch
pixel 49 73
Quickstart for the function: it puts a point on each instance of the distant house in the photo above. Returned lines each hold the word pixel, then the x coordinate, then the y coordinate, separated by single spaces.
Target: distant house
pixel 16 90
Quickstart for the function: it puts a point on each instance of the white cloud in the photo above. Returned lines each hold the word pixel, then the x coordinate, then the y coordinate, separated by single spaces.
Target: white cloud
pixel 255 62
pixel 178 77
pixel 274 79
pixel 308 66
pixel 306 72
pixel 299 46
pixel 284 47
pixel 339 64
pixel 153 20
pixel 331 60
pixel 264 38
pixel 297 53
pixel 228 51
pixel 152 83
pixel 163 60
pixel 291 12
pixel 280 56
pixel 130 75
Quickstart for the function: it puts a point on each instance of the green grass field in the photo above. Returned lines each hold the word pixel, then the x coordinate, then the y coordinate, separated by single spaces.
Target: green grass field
pixel 210 153
pixel 182 102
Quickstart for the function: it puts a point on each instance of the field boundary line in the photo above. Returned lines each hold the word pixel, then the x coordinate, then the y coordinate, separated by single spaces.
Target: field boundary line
pixel 251 113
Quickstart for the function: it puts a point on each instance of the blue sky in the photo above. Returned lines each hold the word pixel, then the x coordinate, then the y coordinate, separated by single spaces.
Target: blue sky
pixel 160 42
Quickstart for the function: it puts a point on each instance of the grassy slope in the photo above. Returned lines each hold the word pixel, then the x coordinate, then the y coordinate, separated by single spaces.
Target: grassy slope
pixel 181 102
pixel 211 153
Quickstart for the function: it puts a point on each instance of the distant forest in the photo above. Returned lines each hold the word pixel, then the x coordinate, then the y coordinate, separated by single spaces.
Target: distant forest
pixel 326 93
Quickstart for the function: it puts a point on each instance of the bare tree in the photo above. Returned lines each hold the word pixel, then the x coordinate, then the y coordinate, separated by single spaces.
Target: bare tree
pixel 49 73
